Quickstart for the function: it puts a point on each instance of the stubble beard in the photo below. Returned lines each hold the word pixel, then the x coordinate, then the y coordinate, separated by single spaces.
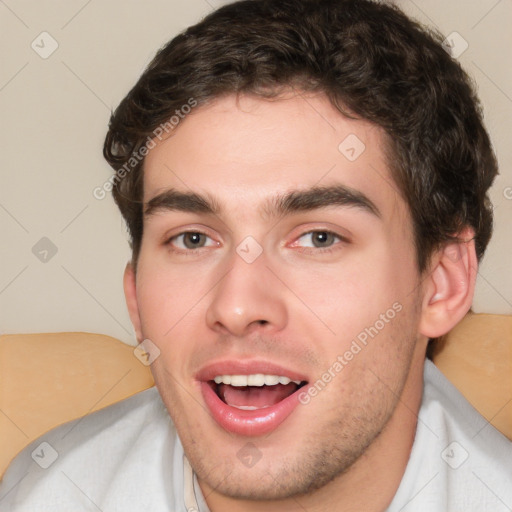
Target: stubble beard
pixel 319 458
pixel 332 445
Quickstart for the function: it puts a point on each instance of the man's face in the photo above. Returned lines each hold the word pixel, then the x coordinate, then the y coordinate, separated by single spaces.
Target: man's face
pixel 298 256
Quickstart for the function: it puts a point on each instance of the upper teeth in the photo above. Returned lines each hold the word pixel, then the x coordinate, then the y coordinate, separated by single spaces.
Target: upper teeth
pixel 258 379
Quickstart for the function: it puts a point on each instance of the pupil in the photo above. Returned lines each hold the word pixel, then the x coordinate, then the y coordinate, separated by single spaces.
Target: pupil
pixel 322 238
pixel 193 240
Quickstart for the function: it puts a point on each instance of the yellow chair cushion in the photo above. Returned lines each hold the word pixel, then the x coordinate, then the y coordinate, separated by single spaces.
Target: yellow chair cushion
pixel 49 379
pixel 476 356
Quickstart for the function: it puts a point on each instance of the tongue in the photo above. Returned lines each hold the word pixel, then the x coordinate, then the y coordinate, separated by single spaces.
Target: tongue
pixel 256 397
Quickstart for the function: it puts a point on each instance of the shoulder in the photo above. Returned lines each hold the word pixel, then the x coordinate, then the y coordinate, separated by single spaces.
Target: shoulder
pixel 459 461
pixel 78 465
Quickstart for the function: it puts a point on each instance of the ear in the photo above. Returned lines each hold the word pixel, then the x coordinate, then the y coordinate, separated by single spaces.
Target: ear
pixel 130 294
pixel 450 286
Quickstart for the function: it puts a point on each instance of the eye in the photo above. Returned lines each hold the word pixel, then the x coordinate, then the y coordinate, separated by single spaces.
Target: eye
pixel 318 239
pixel 191 240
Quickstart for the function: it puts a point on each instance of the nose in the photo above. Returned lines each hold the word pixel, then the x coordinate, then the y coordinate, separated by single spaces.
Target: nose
pixel 247 298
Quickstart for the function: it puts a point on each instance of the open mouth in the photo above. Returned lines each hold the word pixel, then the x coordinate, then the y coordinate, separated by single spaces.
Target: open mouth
pixel 250 397
pixel 254 392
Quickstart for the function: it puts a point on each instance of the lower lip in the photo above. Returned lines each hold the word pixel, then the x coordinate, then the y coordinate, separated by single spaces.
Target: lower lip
pixel 248 423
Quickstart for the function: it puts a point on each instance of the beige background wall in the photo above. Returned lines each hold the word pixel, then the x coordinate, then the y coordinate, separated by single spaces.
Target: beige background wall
pixel 54 113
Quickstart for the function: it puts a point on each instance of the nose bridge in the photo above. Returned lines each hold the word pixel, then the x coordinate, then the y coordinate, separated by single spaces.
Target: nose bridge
pixel 247 295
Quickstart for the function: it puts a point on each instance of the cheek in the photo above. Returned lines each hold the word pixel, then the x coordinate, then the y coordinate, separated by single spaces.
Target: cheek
pixel 172 306
pixel 162 301
pixel 154 301
pixel 368 361
pixel 365 299
pixel 164 291
pixel 353 294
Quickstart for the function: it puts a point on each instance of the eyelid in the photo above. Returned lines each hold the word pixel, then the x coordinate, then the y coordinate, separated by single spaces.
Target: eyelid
pixel 309 228
pixel 170 242
pixel 180 231
pixel 313 231
pixel 342 240
pixel 301 232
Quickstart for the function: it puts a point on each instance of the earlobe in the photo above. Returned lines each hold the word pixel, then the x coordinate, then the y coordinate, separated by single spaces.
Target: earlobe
pixel 449 287
pixel 130 293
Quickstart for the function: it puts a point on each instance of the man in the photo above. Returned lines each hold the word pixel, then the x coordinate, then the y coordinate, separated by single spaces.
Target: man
pixel 305 186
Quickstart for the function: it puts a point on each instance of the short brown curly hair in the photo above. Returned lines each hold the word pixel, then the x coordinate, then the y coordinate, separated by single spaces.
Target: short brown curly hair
pixel 369 59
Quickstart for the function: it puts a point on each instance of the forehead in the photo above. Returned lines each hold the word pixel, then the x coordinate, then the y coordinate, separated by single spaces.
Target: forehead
pixel 244 150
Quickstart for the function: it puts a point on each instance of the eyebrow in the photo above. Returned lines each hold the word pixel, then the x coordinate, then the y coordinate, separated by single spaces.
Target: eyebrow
pixel 175 200
pixel 320 197
pixel 283 204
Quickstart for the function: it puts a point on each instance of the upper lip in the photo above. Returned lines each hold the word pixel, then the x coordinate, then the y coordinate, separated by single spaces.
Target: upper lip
pixel 246 367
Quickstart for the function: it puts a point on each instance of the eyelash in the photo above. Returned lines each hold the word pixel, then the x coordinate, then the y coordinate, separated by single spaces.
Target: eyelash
pixel 322 250
pixel 310 250
pixel 187 251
